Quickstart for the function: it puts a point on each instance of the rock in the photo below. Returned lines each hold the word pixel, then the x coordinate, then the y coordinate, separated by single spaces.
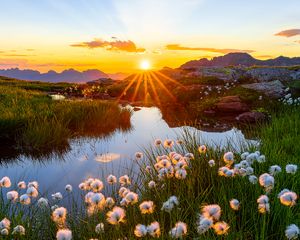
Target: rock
pixel 274 89
pixel 136 109
pixel 231 104
pixel 269 74
pixel 209 112
pixel 251 117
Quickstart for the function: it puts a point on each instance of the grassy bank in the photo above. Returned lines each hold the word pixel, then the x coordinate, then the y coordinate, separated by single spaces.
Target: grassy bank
pixel 194 183
pixel 32 122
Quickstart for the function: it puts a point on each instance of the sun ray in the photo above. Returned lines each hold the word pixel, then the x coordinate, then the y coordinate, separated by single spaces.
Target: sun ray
pixel 139 81
pixel 129 85
pixel 169 78
pixel 156 97
pixel 145 87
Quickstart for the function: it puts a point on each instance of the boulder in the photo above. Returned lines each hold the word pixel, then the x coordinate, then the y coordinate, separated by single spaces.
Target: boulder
pixel 273 89
pixel 231 104
pixel 251 117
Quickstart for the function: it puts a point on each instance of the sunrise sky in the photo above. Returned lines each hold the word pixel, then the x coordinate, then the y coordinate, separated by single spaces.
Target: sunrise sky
pixel 117 35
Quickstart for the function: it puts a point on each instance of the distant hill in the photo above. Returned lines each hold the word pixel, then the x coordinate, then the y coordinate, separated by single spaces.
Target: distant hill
pixel 69 75
pixel 240 59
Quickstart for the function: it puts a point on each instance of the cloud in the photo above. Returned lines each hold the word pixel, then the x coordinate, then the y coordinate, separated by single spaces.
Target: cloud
pixel 288 33
pixel 216 50
pixel 66 65
pixel 115 45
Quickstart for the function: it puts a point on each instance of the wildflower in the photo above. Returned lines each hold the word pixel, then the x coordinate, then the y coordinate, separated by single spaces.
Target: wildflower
pixel 99 228
pixel 249 171
pixel 151 184
pixel 266 181
pixel 291 168
pixel 124 180
pixel 253 179
pixel 131 198
pixel 25 199
pixel 202 149
pixel 123 191
pixel 88 197
pixel 244 164
pixel 154 229
pixel 263 204
pixel 176 157
pixel 223 170
pixel 57 196
pixel 82 186
pixel 32 192
pixel 138 155
pixel 274 169
pixel 244 155
pixel 157 142
pixel 4 232
pixel 147 207
pixel 292 232
pixel 59 215
pixel 211 163
pixel 204 224
pixel 98 200
pixel 221 228
pixel 190 156
pixel 228 158
pixel 5 182
pixel 19 229
pixel 97 185
pixel 42 202
pixel 212 211
pixel 234 204
pixel 64 234
pixel 21 185
pixel 288 198
pixel 54 207
pixel 168 143
pixel 261 159
pixel 252 157
pixel 109 202
pixel 5 224
pixel 68 188
pixel 179 230
pixel 12 196
pixel 164 163
pixel 140 230
pixel 180 174
pixel 116 216
pixel 111 179
pixel 33 184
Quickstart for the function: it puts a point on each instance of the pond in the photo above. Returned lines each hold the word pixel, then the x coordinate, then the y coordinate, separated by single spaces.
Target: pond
pixel 94 157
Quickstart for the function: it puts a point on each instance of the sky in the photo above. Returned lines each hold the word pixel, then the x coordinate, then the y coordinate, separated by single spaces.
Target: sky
pixel 117 35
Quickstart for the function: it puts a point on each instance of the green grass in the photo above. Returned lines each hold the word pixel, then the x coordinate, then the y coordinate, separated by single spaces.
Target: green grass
pixel 202 186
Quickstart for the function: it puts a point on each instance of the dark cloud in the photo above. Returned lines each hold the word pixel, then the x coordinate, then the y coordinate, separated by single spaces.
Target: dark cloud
pixel 288 33
pixel 178 47
pixel 115 45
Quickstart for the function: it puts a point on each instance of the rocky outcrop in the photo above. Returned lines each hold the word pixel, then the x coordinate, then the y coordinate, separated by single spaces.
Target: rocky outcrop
pixel 231 104
pixel 269 74
pixel 251 117
pixel 273 89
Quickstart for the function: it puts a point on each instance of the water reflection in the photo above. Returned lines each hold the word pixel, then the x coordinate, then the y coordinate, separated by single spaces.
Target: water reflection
pixel 99 157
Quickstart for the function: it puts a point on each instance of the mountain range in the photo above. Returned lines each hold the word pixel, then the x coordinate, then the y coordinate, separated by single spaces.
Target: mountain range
pixel 69 75
pixel 240 59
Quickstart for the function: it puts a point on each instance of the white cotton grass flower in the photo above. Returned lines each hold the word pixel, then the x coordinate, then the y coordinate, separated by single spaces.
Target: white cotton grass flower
pixel 109 202
pixel 179 230
pixel 204 224
pixel 64 234
pixel 124 180
pixel 267 181
pixel 288 198
pixel 34 184
pixel 244 155
pixel 59 215
pixel 221 228
pixel 154 229
pixel 157 142
pixel 140 230
pixel 12 196
pixel 111 179
pixel 43 202
pixel 211 163
pixel 151 184
pixel 222 171
pixel 180 174
pixel 5 224
pixel 212 211
pixel 123 191
pixel 4 232
pixel 292 232
pixel 252 157
pixel 202 149
pixel 263 204
pixel 170 204
pixel 21 185
pixel 99 228
pixel 116 216
pixel 5 182
pixel 253 179
pixel 274 170
pixel 69 188
pixel 19 229
pixel 32 191
pixel 82 186
pixel 97 185
pixel 147 207
pixel 55 206
pixel 190 156
pixel 291 168
pixel 168 143
pixel 25 199
pixel 228 158
pixel 261 159
pixel 131 198
pixel 138 155
pixel 57 196
pixel 98 200
pixel 234 204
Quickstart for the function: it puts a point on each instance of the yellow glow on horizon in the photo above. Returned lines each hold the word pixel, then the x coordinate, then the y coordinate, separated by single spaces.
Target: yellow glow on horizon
pixel 145 65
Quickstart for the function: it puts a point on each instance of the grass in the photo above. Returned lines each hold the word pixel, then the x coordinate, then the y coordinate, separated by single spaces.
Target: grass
pixel 201 186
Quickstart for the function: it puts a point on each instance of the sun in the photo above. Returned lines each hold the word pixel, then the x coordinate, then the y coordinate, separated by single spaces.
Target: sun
pixel 145 65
